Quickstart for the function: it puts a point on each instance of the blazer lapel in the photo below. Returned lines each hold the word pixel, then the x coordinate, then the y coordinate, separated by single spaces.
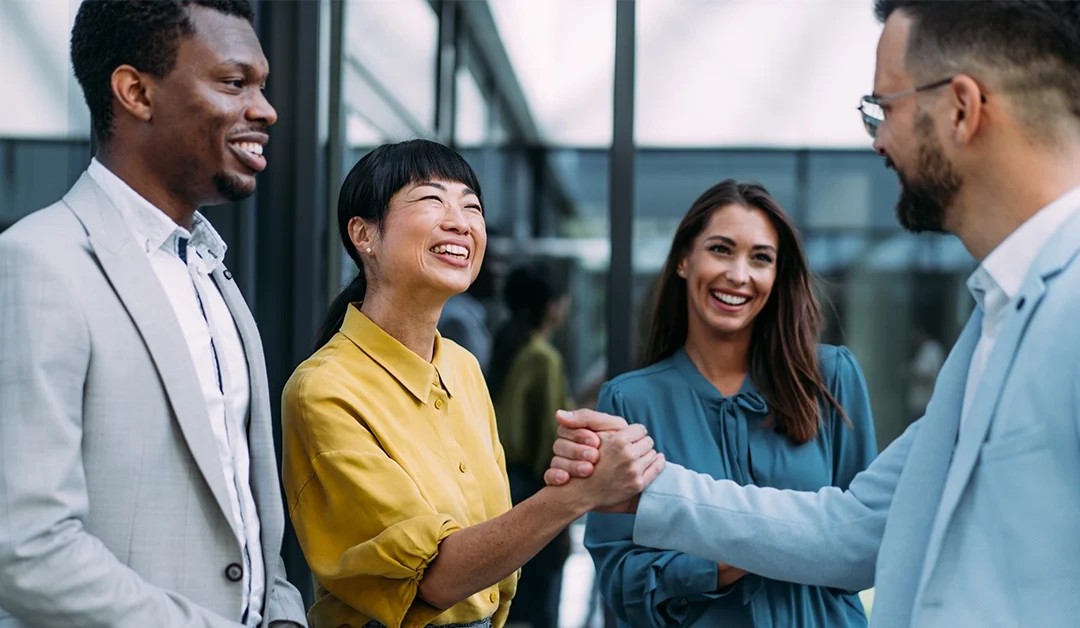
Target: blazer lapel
pixel 131 276
pixel 264 474
pixel 918 492
pixel 1055 256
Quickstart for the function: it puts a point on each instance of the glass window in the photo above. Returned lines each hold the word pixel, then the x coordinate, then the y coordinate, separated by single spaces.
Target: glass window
pixel 389 70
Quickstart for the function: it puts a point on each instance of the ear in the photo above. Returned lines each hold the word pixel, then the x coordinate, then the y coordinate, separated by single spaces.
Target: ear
pixel 968 103
pixel 132 90
pixel 362 235
pixel 680 268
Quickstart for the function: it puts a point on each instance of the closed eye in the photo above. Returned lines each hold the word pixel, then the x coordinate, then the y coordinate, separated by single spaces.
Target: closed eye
pixel 475 207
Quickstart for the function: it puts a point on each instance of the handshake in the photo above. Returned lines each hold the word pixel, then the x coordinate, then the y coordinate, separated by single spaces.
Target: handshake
pixel 608 461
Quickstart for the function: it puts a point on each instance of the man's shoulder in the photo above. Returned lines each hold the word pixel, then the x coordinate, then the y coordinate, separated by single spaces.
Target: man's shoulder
pixel 51 233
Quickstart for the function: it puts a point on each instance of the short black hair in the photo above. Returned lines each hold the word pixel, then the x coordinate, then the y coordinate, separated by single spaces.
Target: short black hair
pixel 366 194
pixel 1032 47
pixel 144 34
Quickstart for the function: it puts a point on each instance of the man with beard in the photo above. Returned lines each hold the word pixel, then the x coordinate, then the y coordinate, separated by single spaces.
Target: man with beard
pixel 138 483
pixel 969 518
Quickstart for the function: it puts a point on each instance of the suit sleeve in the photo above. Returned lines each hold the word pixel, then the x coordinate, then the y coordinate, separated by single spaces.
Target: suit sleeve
pixel 52 571
pixel 643 586
pixel 825 538
pixel 285 603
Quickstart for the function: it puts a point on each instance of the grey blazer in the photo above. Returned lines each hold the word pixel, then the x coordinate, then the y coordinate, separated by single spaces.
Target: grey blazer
pixel 112 497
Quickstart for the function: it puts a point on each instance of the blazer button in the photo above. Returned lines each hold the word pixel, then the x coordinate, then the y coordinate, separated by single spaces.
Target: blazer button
pixel 234 572
pixel 494 597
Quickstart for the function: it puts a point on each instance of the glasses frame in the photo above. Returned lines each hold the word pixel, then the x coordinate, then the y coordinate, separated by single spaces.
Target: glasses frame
pixel 871 123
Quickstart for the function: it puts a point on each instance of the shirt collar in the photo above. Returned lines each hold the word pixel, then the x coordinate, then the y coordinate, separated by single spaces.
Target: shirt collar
pixel 151 227
pixel 1008 264
pixel 410 370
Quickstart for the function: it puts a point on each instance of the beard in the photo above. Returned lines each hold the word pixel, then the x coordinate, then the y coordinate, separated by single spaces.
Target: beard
pixel 233 188
pixel 925 197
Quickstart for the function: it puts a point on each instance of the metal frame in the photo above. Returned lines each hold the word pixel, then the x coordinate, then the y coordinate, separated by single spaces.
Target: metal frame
pixel 620 298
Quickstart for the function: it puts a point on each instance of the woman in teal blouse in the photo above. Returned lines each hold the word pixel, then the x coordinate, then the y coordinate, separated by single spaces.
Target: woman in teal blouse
pixel 737 387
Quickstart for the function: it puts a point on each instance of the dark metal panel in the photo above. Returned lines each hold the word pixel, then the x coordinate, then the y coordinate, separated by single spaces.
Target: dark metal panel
pixel 620 297
pixel 291 254
pixel 446 72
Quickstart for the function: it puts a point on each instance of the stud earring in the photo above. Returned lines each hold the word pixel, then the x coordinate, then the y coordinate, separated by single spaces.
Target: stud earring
pixel 681 272
pixel 368 250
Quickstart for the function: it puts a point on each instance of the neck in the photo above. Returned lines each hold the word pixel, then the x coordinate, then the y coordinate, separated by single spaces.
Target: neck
pixel 724 359
pixel 408 322
pixel 139 176
pixel 1006 192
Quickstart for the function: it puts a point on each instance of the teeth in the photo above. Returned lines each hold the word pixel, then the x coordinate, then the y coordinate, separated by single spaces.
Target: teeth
pixel 729 299
pixel 254 148
pixel 451 249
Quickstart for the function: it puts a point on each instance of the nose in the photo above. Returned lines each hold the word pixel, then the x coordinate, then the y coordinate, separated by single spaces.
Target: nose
pixel 879 148
pixel 737 272
pixel 261 110
pixel 454 220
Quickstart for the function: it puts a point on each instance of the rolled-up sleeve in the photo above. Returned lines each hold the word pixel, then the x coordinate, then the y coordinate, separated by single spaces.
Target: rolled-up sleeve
pixel 367 532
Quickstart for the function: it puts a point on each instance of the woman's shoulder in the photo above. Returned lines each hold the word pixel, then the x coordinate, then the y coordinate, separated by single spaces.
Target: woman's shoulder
pixel 836 363
pixel 641 382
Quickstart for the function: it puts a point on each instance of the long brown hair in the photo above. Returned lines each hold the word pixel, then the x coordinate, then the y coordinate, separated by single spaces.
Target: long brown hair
pixel 783 346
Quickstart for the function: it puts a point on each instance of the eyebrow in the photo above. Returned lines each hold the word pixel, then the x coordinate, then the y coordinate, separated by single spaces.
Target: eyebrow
pixel 728 241
pixel 245 67
pixel 439 186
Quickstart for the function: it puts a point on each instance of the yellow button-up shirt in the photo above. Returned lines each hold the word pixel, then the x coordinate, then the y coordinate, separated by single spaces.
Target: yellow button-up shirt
pixel 385 455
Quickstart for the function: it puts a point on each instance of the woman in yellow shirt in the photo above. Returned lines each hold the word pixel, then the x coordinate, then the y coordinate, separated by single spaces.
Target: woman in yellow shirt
pixel 394 476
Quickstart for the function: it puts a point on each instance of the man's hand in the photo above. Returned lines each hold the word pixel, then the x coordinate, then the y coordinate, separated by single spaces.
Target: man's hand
pixel 578 448
pixel 626 464
pixel 727 576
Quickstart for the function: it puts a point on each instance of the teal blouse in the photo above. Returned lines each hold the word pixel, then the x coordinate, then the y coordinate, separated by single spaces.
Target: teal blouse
pixel 697 427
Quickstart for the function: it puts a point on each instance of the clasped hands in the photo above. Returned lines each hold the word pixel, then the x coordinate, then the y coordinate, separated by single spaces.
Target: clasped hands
pixel 620 458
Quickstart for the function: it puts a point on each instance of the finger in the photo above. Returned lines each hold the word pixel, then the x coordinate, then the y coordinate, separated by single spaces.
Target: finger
pixel 589 419
pixel 653 469
pixel 556 477
pixel 573 451
pixel 640 448
pixel 581 436
pixel 580 470
pixel 629 434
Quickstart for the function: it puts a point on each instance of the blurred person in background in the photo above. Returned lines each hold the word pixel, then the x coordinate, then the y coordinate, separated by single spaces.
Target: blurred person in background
pixel 466 319
pixel 922 371
pixel 528 385
pixel 737 387
pixel 394 476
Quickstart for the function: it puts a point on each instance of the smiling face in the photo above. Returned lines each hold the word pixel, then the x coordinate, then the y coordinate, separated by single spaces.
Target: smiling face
pixel 730 270
pixel 209 115
pixel 431 245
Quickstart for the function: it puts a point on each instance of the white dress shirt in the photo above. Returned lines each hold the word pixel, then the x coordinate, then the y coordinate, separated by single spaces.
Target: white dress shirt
pixel 183 261
pixel 998 280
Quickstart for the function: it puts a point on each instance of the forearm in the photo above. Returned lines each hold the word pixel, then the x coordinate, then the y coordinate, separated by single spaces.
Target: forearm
pixel 479 556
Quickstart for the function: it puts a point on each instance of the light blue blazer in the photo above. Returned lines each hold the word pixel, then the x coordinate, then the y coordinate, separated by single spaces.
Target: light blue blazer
pixel 982 531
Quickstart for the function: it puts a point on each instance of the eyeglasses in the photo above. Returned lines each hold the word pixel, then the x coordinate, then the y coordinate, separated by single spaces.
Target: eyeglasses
pixel 873 114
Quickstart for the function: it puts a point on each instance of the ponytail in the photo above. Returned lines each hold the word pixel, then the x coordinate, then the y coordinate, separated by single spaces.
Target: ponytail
pixel 335 315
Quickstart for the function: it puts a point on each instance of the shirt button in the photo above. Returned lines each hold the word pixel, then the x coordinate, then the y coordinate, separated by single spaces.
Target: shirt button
pixel 461 467
pixel 494 597
pixel 234 572
pixel 438 404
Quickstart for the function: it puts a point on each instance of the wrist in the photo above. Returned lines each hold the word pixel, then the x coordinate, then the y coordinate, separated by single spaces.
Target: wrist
pixel 569 502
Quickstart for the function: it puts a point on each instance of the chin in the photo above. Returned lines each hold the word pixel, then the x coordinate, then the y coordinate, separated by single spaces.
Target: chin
pixel 234 187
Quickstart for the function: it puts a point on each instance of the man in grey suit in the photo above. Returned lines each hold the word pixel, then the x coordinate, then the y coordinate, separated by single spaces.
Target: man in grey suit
pixel 970 517
pixel 138 484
